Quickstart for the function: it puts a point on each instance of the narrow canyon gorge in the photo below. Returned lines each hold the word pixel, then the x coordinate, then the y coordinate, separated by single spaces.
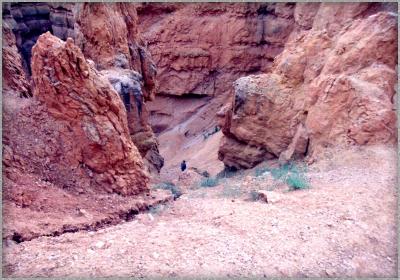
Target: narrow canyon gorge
pixel 285 114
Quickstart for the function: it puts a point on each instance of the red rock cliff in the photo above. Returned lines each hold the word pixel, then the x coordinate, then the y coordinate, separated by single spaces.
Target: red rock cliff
pixel 91 113
pixel 332 85
pixel 108 34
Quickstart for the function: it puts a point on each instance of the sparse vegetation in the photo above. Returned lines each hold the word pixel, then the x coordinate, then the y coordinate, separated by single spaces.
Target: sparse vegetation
pixel 209 133
pixel 171 187
pixel 254 196
pixel 228 172
pixel 208 182
pixel 261 171
pixel 292 174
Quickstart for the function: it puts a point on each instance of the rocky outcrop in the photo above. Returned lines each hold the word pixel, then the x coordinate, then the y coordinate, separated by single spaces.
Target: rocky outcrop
pixel 199 50
pixel 90 117
pixel 108 34
pixel 332 85
pixel 14 78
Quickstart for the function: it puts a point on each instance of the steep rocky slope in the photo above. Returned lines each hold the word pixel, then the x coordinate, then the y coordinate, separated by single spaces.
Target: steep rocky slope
pixel 333 84
pixel 120 54
pixel 76 138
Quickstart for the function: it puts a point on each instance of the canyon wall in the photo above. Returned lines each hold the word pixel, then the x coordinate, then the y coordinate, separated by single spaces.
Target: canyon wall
pixel 108 36
pixel 79 130
pixel 333 84
pixel 200 49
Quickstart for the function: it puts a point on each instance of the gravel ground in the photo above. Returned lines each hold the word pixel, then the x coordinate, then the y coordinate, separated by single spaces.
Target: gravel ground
pixel 343 226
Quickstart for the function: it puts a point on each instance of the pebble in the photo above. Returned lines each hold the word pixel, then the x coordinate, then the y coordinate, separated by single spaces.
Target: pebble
pixel 100 244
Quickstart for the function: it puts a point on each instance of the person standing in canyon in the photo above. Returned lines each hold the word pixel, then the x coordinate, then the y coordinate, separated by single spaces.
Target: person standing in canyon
pixel 183 165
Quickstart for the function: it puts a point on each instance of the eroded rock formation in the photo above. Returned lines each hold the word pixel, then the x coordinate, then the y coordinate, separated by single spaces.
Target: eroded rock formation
pixel 334 81
pixel 199 50
pixel 90 114
pixel 108 34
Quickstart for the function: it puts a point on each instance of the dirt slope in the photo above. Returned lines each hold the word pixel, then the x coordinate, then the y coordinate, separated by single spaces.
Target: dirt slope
pixel 344 225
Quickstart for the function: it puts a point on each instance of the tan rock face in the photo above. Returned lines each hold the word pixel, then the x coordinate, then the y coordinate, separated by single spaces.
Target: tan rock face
pixel 338 83
pixel 14 77
pixel 202 48
pixel 108 34
pixel 90 115
pixel 199 50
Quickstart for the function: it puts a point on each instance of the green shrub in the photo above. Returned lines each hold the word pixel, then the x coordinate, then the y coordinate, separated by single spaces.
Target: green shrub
pixel 261 170
pixel 254 196
pixel 228 172
pixel 171 187
pixel 209 182
pixel 297 180
pixel 281 172
pixel 291 174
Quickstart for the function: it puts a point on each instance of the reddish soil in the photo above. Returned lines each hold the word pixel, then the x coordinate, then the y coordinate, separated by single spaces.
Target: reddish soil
pixel 343 226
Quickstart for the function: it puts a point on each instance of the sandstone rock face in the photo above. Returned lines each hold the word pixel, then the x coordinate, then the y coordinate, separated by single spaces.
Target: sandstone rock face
pixel 14 77
pixel 108 34
pixel 90 116
pixel 199 50
pixel 202 48
pixel 332 85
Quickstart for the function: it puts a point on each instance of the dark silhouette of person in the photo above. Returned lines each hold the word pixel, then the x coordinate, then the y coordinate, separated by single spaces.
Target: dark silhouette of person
pixel 183 165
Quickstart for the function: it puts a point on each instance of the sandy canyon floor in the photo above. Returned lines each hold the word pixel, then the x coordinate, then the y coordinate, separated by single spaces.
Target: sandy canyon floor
pixel 343 225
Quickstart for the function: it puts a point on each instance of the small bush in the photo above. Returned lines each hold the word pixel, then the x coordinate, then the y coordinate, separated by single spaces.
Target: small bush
pixel 254 196
pixel 297 181
pixel 291 174
pixel 155 210
pixel 260 171
pixel 280 172
pixel 171 187
pixel 228 172
pixel 209 182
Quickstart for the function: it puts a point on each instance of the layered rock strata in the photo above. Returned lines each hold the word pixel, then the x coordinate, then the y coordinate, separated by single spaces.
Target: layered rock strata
pixel 90 115
pixel 334 84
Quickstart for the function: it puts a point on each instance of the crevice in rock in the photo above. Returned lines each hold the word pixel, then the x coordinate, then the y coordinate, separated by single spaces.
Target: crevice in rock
pixel 30 20
pixel 114 219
